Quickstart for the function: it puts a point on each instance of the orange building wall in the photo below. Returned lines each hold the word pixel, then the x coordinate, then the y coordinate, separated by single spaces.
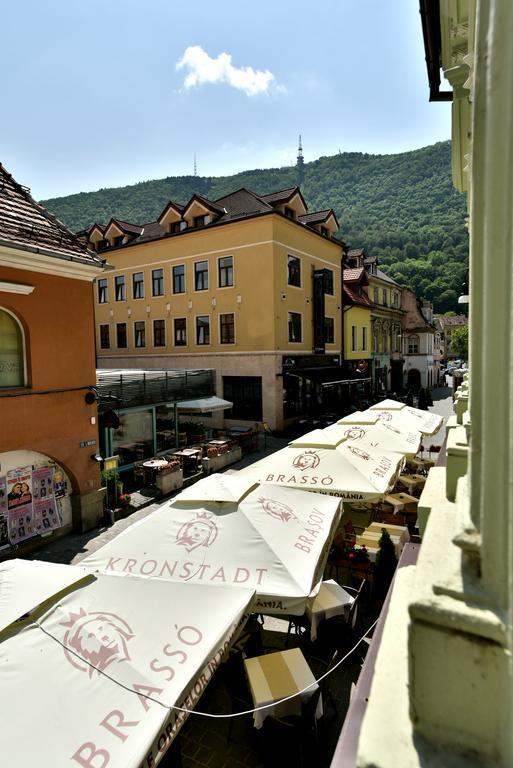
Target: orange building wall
pixel 59 333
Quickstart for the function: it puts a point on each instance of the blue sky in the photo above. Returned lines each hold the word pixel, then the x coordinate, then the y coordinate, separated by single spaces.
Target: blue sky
pixel 101 93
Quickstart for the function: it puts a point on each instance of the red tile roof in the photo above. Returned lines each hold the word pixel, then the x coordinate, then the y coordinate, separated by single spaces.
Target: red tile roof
pixel 352 297
pixel 352 275
pixel 27 225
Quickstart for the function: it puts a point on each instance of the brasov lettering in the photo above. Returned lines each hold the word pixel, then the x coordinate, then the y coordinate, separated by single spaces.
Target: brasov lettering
pixel 313 527
pixel 188 571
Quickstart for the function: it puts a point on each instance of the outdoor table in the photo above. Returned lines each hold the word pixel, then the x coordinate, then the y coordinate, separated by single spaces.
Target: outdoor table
pixel 411 482
pixel 402 502
pixel 190 456
pixel 275 676
pixel 331 600
pixel 370 540
pixel 394 530
pixel 155 463
pixel 421 465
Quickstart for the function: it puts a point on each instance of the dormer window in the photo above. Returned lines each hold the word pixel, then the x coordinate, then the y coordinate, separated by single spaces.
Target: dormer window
pixel 177 226
pixel 103 244
pixel 353 263
pixel 201 221
pixel 325 231
pixel 289 212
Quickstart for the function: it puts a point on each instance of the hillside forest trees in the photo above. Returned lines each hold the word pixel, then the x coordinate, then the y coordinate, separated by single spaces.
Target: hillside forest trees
pixel 402 208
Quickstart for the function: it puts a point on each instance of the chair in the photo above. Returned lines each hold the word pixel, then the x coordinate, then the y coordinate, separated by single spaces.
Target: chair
pixel 237 689
pixel 299 625
pixel 322 669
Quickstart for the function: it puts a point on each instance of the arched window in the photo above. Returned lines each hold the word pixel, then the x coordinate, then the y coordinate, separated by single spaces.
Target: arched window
pixel 413 344
pixel 12 356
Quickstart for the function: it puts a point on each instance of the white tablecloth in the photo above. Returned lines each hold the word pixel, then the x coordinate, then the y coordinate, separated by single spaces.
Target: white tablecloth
pixel 331 600
pixel 276 675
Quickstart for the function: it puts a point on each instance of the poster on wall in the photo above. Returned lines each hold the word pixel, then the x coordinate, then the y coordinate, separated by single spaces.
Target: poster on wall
pixel 59 484
pixel 20 523
pixel 4 540
pixel 43 500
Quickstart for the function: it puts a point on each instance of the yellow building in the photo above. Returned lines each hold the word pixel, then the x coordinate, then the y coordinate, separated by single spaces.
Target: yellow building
pixel 247 285
pixel 386 316
pixel 357 309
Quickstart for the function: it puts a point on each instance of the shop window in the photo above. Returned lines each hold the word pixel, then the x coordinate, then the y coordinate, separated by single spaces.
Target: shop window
pixel 179 279
pixel 294 271
pixel 245 392
pixel 103 295
pixel 121 336
pixel 227 328
pixel 225 271
pixel 203 329
pixel 201 276
pixel 180 325
pixel 140 333
pixel 12 355
pixel 165 421
pixel 329 330
pixel 138 285
pixel 159 333
pixel 413 344
pixel 157 280
pixel 133 440
pixel 294 327
pixel 104 337
pixel 328 282
pixel 119 282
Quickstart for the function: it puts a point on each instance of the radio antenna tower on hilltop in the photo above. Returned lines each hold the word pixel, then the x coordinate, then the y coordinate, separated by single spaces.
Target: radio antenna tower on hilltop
pixel 300 165
pixel 195 166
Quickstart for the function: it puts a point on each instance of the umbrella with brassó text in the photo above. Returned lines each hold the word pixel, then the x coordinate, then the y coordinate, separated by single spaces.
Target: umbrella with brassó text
pixel 228 530
pixel 378 436
pixel 90 675
pixel 347 470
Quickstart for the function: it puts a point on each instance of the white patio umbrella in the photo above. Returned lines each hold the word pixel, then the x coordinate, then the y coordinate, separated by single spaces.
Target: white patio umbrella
pixel 378 436
pixel 226 530
pixel 89 678
pixel 351 472
pixel 405 417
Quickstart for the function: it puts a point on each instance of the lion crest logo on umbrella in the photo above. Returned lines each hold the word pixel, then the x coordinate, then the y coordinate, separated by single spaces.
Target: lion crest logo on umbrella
pixel 199 532
pixel 277 509
pixel 358 452
pixel 95 639
pixel 355 433
pixel 307 460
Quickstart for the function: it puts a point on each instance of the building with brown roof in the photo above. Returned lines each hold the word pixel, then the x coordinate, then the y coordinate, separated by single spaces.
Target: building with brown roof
pixel 47 373
pixel 418 342
pixel 249 285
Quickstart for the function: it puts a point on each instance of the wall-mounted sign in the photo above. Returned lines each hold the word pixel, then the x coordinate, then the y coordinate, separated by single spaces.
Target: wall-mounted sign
pixel 87 443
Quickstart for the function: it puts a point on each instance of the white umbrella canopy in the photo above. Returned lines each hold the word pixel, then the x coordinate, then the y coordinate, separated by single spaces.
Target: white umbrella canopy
pixel 351 472
pixel 405 417
pixel 220 531
pixel 25 584
pixel 89 680
pixel 379 436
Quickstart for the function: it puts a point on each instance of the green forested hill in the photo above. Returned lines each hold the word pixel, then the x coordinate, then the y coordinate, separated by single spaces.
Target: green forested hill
pixel 402 208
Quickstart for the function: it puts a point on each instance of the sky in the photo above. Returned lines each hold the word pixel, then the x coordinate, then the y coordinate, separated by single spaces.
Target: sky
pixel 104 93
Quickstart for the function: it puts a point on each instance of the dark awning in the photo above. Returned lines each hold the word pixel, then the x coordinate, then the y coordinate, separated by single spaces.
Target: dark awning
pixel 326 377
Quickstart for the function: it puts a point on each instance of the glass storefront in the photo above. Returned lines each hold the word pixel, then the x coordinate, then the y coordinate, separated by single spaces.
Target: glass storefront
pixel 133 440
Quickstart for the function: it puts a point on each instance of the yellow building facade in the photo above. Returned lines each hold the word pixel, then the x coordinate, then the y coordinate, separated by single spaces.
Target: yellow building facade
pixel 248 285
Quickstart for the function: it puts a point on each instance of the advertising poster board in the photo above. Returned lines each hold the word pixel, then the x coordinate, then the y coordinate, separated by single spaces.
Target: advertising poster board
pixel 43 501
pixel 20 521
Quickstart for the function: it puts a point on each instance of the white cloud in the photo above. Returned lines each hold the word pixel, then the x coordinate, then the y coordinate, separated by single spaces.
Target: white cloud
pixel 202 68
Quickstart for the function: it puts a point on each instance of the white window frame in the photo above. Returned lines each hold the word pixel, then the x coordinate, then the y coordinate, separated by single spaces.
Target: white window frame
pixel 181 317
pixel 24 350
pixel 157 269
pixel 227 343
pixel 196 331
pixel 100 326
pixel 155 320
pixel 300 327
pixel 222 287
pixel 289 285
pixel 201 261
pixel 180 293
pixel 142 346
